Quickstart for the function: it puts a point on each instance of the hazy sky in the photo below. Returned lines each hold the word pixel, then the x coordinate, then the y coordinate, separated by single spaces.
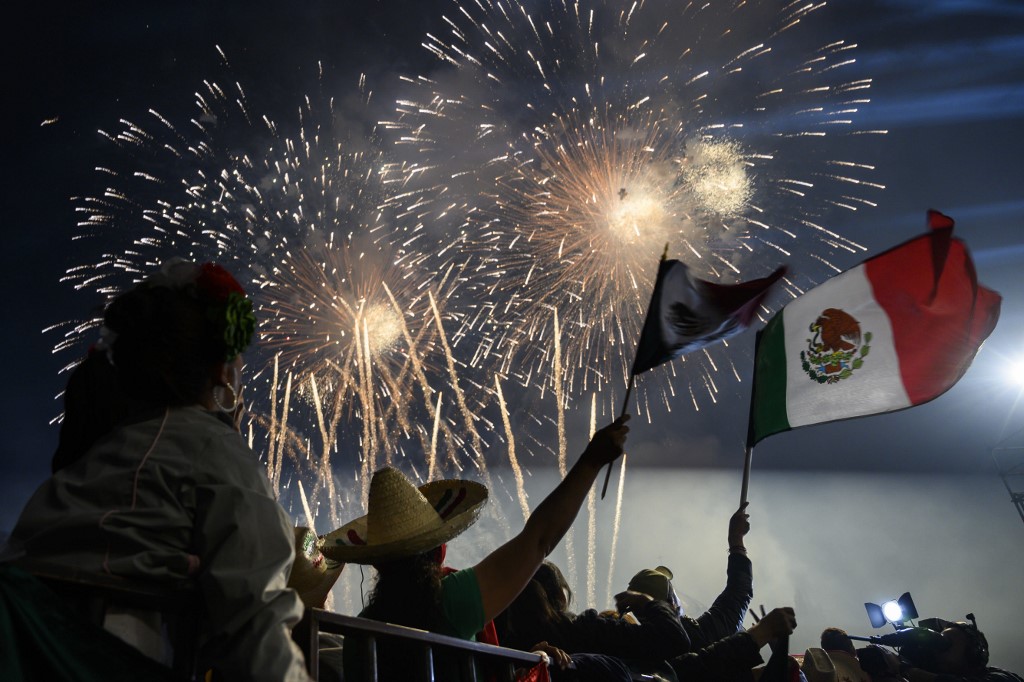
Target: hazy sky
pixel 822 542
pixel 907 501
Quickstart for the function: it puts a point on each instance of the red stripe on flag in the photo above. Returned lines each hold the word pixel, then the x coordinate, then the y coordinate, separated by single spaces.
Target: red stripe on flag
pixel 939 312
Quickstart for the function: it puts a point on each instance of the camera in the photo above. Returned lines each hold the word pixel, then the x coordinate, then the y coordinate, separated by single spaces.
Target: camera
pixel 919 646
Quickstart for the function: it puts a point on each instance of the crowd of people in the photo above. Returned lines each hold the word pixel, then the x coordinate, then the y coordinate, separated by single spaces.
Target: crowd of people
pixel 153 483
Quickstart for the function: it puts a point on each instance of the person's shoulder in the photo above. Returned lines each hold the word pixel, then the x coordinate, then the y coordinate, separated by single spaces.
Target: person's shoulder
pixel 460 579
pixel 216 448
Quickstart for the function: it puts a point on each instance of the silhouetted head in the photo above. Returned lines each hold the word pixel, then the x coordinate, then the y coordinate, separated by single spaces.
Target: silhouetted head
pixel 836 639
pixel 164 343
pixel 555 586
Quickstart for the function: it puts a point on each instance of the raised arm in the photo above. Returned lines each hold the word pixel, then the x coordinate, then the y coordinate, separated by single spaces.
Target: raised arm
pixel 503 573
pixel 730 607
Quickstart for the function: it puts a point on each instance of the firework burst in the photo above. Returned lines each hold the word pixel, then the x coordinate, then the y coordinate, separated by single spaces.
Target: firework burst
pixel 599 132
pixel 350 368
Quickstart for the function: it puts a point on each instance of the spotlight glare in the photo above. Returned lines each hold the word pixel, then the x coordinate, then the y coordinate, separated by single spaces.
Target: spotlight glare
pixel 1015 375
pixel 892 611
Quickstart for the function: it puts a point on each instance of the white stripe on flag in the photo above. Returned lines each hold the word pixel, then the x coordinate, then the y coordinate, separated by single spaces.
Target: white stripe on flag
pixel 874 387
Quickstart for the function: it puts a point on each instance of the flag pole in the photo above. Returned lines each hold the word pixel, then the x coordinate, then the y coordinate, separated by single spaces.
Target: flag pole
pixel 748 451
pixel 748 456
pixel 632 376
pixel 625 404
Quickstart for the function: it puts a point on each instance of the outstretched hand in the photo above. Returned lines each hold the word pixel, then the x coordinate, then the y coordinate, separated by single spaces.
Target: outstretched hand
pixel 739 525
pixel 607 444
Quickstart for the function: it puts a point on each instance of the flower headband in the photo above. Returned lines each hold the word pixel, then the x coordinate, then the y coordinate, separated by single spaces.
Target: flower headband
pixel 231 312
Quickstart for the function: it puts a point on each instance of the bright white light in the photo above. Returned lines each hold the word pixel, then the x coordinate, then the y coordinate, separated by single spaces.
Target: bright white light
pixel 716 175
pixel 383 327
pixel 636 215
pixel 1016 373
pixel 892 612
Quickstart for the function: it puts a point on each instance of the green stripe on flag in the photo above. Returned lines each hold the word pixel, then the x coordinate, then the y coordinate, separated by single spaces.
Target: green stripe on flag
pixel 768 409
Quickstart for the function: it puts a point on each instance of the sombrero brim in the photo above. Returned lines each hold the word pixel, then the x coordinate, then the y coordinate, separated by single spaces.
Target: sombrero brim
pixel 817 665
pixel 458 502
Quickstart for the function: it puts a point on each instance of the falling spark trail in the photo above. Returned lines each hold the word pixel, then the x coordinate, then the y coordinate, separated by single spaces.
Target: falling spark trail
pixel 306 509
pixel 281 433
pixel 592 520
pixel 421 378
pixel 369 451
pixel 615 526
pixel 524 504
pixel 371 407
pixel 432 459
pixel 325 475
pixel 556 377
pixel 272 431
pixel 460 399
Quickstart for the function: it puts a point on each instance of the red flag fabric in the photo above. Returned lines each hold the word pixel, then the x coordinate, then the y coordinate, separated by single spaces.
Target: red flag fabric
pixel 538 673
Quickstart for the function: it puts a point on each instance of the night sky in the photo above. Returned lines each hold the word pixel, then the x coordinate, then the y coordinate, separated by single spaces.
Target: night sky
pixel 948 86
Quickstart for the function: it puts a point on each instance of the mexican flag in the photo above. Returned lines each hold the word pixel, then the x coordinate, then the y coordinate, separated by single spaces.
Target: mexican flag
pixel 687 313
pixel 896 331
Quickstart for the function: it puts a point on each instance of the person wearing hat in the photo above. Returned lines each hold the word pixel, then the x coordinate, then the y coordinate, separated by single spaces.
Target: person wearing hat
pixel 726 614
pixel 404 524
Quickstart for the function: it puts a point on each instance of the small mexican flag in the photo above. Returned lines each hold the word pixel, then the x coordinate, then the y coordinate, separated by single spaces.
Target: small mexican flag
pixel 896 331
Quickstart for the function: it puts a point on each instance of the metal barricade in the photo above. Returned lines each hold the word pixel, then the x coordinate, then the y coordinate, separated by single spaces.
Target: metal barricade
pixel 366 634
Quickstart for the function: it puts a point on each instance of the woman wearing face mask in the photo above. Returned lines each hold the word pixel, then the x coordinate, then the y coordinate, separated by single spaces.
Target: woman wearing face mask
pixel 152 481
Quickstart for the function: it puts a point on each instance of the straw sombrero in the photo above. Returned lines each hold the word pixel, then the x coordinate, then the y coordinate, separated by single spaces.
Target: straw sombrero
pixel 404 520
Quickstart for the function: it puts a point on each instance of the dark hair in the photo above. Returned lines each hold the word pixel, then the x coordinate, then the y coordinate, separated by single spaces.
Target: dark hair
pixel 408 592
pixel 533 618
pixel 93 405
pixel 166 345
pixel 554 584
pixel 540 611
pixel 836 639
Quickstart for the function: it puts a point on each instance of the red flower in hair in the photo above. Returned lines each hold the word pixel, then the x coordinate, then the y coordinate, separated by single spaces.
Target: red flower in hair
pixel 232 312
pixel 217 283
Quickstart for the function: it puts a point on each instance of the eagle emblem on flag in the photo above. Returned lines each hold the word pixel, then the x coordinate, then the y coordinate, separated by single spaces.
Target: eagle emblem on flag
pixel 837 347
